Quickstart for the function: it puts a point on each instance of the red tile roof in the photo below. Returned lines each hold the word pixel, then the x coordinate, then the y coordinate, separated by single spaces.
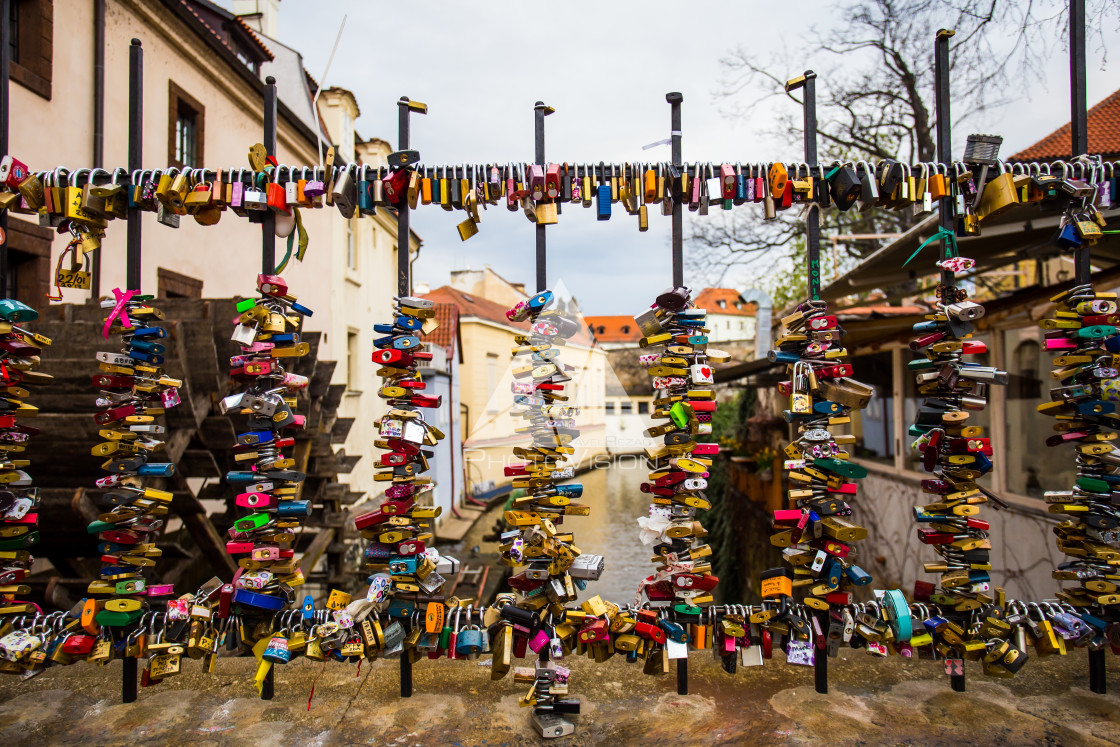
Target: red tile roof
pixel 614 328
pixel 225 42
pixel 1104 135
pixel 446 334
pixel 471 305
pixel 709 299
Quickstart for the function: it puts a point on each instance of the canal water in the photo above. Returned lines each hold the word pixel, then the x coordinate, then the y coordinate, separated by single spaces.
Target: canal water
pixel 616 502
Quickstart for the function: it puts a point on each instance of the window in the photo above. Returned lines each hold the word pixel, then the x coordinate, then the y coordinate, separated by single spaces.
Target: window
pixel 626 407
pixel 1031 467
pixel 29 262
pixel 185 131
pixel 31 45
pixel 873 426
pixel 353 361
pixel 610 408
pixel 351 249
pixel 721 303
pixel 643 408
pixel 602 329
pixel 625 329
pixel 738 305
pixel 170 284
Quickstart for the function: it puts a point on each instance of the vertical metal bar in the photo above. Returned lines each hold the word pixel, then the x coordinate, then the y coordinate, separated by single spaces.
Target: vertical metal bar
pixel 682 676
pixel 1079 114
pixel 268 225
pixel 946 207
pixel 268 687
pixel 813 219
pixel 268 267
pixel 135 159
pixel 98 124
pixel 128 680
pixel 5 64
pixel 674 98
pixel 404 280
pixel 820 654
pixel 539 112
pixel 406 668
pixel 1097 681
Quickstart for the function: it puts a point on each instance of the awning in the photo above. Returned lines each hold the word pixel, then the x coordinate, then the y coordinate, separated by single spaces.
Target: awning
pixel 1022 233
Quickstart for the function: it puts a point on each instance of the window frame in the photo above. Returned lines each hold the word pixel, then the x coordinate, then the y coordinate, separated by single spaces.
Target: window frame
pixel 176 96
pixel 34 43
pixel 183 286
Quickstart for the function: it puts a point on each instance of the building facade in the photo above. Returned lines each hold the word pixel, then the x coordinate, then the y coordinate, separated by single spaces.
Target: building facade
pixel 486 400
pixel 203 89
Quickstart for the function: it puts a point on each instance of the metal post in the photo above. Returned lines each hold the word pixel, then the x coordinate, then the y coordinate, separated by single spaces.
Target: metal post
pixel 808 81
pixel 675 100
pixel 406 669
pixel 1097 681
pixel 268 687
pixel 404 279
pixel 820 654
pixel 5 64
pixel 1079 114
pixel 946 207
pixel 813 220
pixel 540 111
pixel 268 225
pixel 135 159
pixel 128 679
pixel 98 125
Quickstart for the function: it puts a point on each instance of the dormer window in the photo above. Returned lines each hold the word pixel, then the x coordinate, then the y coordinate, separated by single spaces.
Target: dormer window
pixel 738 305
pixel 602 329
pixel 626 329
pixel 721 303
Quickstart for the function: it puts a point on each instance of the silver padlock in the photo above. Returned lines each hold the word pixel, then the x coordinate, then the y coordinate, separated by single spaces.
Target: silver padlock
pixel 345 191
pixel 965 311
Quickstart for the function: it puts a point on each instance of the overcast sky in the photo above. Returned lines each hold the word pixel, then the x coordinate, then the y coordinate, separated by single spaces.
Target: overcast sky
pixel 605 67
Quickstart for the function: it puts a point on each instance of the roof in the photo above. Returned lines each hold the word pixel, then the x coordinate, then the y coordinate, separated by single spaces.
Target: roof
pixel 613 328
pixel 1104 135
pixel 474 306
pixel 733 303
pixel 446 335
pixel 194 5
pixel 471 305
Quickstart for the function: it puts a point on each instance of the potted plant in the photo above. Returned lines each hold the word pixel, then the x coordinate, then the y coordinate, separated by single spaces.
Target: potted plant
pixel 764 464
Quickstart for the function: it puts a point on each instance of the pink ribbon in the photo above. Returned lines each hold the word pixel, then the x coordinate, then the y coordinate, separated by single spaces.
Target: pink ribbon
pixel 118 311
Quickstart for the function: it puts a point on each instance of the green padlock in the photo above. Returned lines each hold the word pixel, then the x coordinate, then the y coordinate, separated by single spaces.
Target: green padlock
pixel 841 467
pixel 251 522
pixel 680 413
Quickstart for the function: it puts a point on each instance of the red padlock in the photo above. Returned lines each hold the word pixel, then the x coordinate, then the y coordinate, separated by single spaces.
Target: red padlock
pixel 727 181
pixel 552 181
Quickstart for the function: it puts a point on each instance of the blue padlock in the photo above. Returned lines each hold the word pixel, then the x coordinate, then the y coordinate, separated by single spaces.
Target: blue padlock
pixel 156 469
pixel 857 575
pixel 603 202
pixel 277 651
pixel 294 508
pixel 146 332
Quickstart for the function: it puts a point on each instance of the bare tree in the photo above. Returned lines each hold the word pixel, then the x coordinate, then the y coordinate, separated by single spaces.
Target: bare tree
pixel 875 101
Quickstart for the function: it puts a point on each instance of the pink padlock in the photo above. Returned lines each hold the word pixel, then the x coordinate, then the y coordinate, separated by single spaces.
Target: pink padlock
pixel 538 641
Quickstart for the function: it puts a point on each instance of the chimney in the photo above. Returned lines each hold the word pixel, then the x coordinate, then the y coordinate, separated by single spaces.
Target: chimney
pixel 259 15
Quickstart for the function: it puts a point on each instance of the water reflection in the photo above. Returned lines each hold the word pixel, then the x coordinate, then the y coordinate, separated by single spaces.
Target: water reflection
pixel 611 530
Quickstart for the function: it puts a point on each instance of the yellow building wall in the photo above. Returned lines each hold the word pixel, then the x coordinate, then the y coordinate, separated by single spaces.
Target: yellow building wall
pixel 489 428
